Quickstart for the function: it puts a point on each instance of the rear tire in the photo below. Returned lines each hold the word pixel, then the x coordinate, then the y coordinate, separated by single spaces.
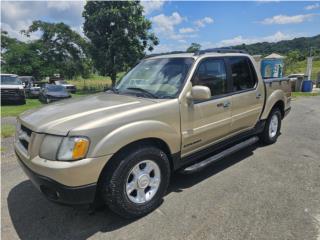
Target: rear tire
pixel 135 182
pixel 272 128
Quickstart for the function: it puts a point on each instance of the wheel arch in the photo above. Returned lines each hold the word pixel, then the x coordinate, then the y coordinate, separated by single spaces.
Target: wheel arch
pixel 114 160
pixel 276 99
pixel 280 105
pixel 151 142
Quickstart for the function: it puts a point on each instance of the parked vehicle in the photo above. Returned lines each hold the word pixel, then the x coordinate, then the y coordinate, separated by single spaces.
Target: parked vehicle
pixel 60 81
pixel 12 90
pixel 170 112
pixel 32 89
pixel 296 81
pixel 50 93
pixel 27 80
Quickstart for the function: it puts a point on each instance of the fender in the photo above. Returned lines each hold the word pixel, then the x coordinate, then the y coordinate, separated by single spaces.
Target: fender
pixel 135 131
pixel 277 95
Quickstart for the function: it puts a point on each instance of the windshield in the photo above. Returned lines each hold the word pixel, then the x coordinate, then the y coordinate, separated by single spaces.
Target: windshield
pixel 10 80
pixel 159 78
pixel 55 88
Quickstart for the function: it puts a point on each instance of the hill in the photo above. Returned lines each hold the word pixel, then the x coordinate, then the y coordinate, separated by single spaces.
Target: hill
pixel 302 44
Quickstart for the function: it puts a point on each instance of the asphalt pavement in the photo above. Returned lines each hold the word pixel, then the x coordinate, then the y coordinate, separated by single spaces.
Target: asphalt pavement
pixel 263 192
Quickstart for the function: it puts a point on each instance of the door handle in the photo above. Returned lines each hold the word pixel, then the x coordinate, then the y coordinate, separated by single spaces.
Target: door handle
pixel 258 95
pixel 220 105
pixel 224 104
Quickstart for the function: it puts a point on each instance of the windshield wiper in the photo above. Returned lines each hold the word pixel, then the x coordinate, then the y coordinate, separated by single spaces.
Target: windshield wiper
pixel 143 91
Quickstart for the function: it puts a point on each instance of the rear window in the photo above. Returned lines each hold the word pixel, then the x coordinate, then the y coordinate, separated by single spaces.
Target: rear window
pixel 55 88
pixel 243 76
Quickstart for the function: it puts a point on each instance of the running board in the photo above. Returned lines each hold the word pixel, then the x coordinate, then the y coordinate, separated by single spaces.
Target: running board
pixel 200 165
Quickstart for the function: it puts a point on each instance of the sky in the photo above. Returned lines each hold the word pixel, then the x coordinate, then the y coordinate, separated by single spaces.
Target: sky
pixel 179 23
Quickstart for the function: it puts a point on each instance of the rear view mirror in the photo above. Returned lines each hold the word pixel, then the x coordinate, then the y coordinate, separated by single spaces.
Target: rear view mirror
pixel 200 93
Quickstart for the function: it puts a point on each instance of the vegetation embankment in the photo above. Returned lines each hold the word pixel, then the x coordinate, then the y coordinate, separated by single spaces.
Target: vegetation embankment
pixel 301 67
pixel 7 130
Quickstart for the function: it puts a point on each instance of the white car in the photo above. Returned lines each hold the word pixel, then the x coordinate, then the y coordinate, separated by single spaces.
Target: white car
pixel 12 89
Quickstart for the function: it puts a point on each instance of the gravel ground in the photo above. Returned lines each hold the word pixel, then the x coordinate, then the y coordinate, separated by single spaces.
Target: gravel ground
pixel 264 192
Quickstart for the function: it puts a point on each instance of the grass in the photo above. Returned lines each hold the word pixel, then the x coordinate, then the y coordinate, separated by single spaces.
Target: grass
pixel 301 67
pixel 303 94
pixel 94 83
pixel 15 110
pixel 7 130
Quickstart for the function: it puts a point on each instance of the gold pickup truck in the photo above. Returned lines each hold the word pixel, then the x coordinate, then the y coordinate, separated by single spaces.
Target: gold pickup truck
pixel 170 112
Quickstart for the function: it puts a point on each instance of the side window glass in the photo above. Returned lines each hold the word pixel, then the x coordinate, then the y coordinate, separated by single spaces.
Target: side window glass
pixel 241 74
pixel 212 74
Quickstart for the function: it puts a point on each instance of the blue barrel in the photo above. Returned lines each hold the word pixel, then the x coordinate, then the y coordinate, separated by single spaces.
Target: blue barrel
pixel 307 86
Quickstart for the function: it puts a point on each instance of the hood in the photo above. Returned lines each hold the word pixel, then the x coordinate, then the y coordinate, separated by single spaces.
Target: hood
pixel 7 86
pixel 61 117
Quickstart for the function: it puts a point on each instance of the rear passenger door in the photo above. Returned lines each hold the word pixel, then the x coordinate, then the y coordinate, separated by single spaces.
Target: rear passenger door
pixel 247 94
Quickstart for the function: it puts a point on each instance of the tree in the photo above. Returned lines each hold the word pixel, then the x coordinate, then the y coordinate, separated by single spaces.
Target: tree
pixel 292 58
pixel 19 57
pixel 6 41
pixel 58 50
pixel 194 47
pixel 119 35
pixel 63 50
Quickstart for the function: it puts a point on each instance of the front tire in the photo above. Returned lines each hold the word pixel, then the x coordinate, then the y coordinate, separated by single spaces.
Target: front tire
pixel 135 185
pixel 272 128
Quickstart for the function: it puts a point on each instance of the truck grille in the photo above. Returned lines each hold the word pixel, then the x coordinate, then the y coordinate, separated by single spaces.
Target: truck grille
pixel 8 92
pixel 24 136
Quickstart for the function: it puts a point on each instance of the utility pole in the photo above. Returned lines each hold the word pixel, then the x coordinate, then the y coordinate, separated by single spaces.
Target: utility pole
pixel 309 65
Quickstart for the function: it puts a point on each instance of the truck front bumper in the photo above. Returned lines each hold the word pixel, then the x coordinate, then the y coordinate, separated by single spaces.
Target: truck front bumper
pixel 58 192
pixel 12 98
pixel 63 182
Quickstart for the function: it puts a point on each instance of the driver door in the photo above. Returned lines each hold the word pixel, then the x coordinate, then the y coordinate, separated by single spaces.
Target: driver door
pixel 206 122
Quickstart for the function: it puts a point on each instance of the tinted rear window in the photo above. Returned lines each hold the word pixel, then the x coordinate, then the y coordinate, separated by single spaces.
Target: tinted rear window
pixel 55 88
pixel 242 74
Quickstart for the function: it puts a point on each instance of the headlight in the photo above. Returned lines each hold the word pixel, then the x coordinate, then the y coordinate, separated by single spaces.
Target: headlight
pixel 64 148
pixel 73 148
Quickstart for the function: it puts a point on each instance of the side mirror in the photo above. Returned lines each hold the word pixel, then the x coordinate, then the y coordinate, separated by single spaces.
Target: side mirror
pixel 200 93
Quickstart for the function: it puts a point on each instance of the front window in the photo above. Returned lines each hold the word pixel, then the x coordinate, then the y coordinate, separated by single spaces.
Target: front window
pixel 10 80
pixel 212 74
pixel 158 78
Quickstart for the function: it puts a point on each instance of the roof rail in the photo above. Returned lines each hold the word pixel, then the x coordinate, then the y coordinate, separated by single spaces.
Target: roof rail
pixel 160 54
pixel 219 50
